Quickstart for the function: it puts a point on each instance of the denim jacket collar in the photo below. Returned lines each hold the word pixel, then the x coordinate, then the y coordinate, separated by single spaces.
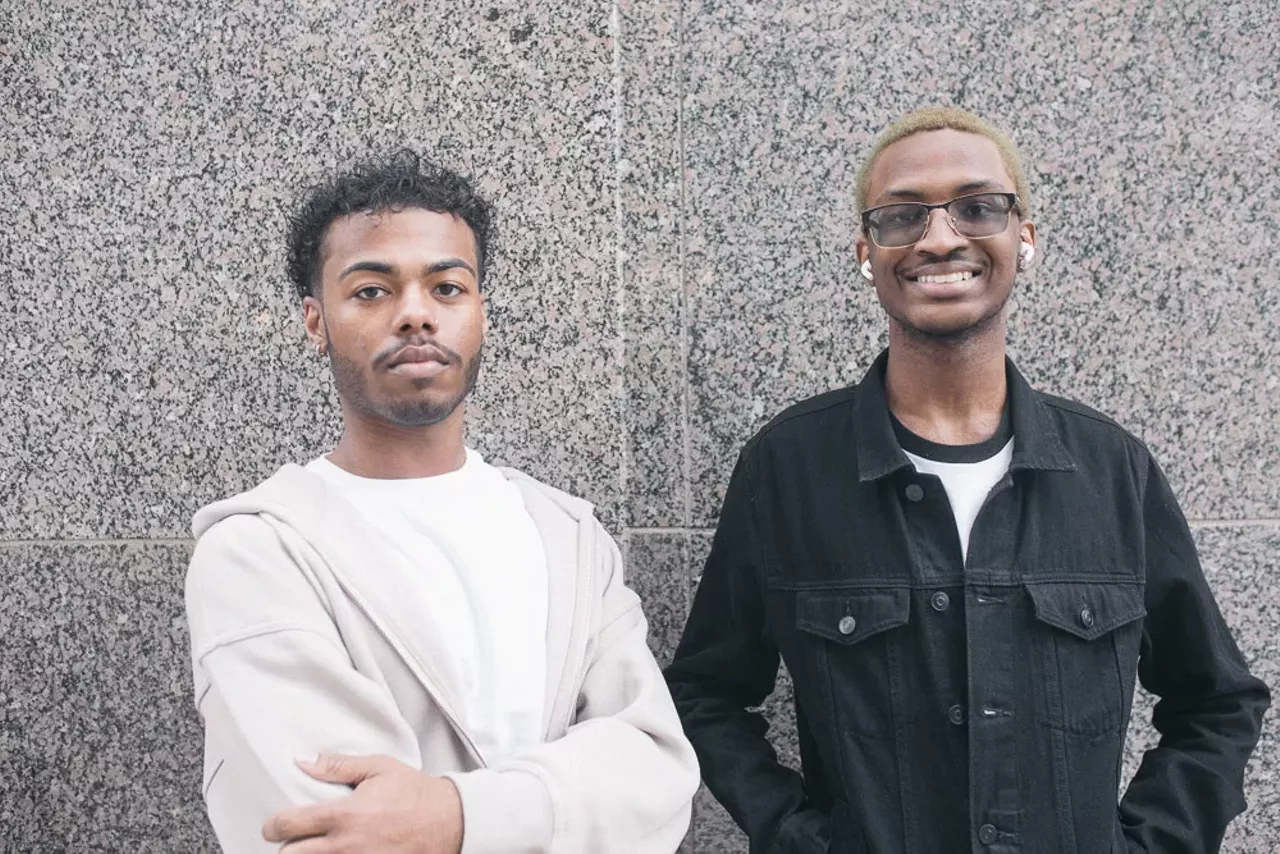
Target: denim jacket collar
pixel 1037 443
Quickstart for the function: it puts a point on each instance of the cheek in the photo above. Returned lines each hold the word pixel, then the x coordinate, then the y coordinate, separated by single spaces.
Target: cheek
pixel 467 330
pixel 352 337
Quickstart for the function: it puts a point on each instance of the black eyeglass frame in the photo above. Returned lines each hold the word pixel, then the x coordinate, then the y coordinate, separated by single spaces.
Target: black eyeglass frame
pixel 929 209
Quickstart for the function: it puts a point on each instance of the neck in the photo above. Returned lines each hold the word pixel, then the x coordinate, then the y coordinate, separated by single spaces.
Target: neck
pixel 374 448
pixel 949 391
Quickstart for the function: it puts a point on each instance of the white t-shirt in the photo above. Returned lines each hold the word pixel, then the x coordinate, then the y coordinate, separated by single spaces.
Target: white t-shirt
pixel 470 540
pixel 967 472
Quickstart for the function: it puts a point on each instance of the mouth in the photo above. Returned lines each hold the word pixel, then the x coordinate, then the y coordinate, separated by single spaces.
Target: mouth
pixel 944 283
pixel 944 279
pixel 418 362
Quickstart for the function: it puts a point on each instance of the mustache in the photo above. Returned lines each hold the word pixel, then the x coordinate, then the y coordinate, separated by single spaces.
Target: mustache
pixel 387 353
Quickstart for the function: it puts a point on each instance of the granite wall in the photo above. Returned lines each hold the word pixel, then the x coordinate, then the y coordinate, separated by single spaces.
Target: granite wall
pixel 674 180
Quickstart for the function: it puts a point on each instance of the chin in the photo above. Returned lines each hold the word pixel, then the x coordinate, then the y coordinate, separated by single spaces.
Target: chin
pixel 421 412
pixel 956 327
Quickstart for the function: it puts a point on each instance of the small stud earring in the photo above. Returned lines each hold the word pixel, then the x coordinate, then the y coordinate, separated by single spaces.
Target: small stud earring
pixel 319 349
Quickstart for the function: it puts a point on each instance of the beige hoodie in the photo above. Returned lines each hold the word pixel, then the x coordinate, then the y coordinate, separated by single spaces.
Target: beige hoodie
pixel 302 643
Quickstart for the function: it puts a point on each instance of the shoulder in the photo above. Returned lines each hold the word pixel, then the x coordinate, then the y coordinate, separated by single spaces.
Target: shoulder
pixel 801 419
pixel 1084 424
pixel 537 494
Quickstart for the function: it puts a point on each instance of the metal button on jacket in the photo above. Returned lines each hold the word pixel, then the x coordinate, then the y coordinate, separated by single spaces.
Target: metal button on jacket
pixel 1086 617
pixel 847 625
pixel 915 492
pixel 987 834
pixel 956 714
pixel 940 601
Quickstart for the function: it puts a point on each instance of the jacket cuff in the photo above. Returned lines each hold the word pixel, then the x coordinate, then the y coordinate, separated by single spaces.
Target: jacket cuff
pixel 504 811
pixel 805 831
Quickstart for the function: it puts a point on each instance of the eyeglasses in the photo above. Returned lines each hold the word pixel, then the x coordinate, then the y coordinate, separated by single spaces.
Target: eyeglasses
pixel 975 216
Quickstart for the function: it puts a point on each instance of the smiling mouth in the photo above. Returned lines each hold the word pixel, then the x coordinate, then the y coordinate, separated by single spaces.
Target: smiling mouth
pixel 944 279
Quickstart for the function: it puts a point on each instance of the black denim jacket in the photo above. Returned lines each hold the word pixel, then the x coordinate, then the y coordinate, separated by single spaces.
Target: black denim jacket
pixel 947 705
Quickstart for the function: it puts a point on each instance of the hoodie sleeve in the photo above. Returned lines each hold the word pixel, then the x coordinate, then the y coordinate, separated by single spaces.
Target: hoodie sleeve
pixel 274 682
pixel 622 778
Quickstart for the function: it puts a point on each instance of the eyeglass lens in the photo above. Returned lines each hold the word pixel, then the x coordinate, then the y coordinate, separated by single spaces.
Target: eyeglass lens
pixel 980 215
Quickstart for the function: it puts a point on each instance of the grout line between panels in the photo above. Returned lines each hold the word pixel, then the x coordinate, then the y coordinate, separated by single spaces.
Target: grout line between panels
pixel 124 541
pixel 682 271
pixel 619 266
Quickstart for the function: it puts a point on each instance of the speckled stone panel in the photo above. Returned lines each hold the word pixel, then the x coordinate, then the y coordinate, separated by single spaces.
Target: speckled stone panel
pixel 1148 130
pixel 659 570
pixel 100 746
pixel 152 350
pixel 650 263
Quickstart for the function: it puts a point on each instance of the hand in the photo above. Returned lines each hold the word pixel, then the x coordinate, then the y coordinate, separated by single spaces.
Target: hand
pixel 393 810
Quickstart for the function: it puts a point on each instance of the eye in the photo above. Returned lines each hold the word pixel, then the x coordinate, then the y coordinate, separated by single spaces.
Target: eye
pixel 448 289
pixel 369 292
pixel 898 217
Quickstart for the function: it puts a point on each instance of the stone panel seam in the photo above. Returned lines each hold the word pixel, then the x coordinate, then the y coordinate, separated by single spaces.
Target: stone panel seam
pixel 626 532
pixel 619 265
pixel 686 392
pixel 126 541
pixel 643 531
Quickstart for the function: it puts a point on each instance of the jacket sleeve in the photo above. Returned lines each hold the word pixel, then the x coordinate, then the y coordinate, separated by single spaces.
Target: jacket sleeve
pixel 622 778
pixel 1209 713
pixel 273 683
pixel 723 669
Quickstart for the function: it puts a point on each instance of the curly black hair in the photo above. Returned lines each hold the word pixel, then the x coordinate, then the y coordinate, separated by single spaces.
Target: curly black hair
pixel 393 183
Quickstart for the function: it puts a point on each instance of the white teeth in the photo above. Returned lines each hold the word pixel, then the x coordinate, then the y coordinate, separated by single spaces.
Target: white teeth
pixel 947 279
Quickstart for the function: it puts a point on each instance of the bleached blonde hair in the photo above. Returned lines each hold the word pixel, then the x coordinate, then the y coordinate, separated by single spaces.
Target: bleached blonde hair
pixel 948 118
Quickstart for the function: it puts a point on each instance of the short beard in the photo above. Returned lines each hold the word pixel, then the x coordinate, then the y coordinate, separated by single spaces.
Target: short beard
pixel 961 335
pixel 422 412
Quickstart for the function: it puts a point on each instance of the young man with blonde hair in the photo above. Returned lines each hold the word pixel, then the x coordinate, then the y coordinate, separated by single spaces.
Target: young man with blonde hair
pixel 963 575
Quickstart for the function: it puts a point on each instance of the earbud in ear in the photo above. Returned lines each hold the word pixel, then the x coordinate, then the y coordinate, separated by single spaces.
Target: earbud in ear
pixel 866 270
pixel 1025 254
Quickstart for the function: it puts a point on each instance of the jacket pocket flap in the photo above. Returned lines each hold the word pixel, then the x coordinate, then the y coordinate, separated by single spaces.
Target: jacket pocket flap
pixel 1087 610
pixel 851 616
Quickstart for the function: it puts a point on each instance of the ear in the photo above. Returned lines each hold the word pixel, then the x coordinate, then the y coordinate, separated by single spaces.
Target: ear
pixel 484 317
pixel 862 250
pixel 1027 232
pixel 313 321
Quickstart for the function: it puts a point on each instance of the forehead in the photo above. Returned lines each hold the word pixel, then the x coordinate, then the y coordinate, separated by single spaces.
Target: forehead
pixel 411 236
pixel 933 165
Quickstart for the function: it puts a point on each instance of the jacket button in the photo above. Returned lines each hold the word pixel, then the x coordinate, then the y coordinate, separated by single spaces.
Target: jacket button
pixel 956 714
pixel 915 492
pixel 940 601
pixel 1086 617
pixel 847 625
pixel 987 834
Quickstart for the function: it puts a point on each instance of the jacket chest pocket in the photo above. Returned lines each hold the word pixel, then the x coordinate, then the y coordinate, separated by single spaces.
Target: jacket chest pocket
pixel 846 642
pixel 1087 637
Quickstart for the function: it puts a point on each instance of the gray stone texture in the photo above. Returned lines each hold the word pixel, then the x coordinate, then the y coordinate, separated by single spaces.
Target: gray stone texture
pixel 675 185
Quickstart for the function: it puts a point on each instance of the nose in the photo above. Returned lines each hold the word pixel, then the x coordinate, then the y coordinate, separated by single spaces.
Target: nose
pixel 940 239
pixel 416 310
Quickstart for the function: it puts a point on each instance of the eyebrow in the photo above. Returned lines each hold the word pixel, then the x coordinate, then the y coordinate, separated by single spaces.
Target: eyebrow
pixel 963 189
pixel 384 269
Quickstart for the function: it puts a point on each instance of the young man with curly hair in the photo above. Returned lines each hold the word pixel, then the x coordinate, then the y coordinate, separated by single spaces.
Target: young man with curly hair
pixel 964 576
pixel 399 647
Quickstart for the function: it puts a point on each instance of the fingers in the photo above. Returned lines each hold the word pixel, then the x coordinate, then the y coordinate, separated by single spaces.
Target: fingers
pixel 315 845
pixel 342 768
pixel 299 823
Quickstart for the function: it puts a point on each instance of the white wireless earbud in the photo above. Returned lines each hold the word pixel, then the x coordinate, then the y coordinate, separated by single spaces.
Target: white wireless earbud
pixel 866 270
pixel 1025 254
